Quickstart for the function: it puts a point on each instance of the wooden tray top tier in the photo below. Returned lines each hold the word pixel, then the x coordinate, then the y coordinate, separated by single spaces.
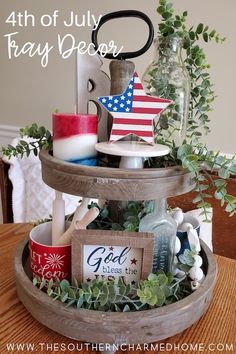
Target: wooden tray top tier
pixel 114 183
pixel 114 327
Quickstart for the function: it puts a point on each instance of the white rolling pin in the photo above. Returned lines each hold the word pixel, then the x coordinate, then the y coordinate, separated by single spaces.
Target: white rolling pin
pixel 91 214
pixel 80 211
pixel 58 217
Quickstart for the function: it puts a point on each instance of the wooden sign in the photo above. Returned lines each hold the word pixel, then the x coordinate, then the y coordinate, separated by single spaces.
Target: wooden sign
pixel 110 255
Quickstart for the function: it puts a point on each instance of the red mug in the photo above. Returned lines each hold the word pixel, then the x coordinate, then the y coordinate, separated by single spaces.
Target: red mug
pixel 47 261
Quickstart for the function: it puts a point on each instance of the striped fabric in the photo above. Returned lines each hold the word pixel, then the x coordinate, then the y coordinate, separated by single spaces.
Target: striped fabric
pixel 133 111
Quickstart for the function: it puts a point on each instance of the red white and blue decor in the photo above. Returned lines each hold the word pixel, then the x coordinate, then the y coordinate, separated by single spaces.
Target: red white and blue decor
pixel 74 138
pixel 133 111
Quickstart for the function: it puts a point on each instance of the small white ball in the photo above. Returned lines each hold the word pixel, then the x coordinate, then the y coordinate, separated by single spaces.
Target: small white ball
pixel 180 273
pixel 196 273
pixel 198 261
pixel 177 245
pixel 178 216
pixel 185 227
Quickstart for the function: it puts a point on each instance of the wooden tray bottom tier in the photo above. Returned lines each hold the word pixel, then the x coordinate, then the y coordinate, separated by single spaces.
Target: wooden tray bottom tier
pixel 109 327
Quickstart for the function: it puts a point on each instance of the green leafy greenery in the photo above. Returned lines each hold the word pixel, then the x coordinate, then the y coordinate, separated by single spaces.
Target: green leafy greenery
pixel 202 164
pixel 187 260
pixel 114 295
pixel 210 172
pixel 40 138
pixel 202 94
pixel 132 214
pixel 193 155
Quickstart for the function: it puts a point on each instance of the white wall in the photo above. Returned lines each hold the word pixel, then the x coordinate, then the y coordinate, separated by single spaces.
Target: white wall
pixel 30 93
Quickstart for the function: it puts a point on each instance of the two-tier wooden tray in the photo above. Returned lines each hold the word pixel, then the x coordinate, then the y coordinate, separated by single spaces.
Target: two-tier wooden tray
pixel 108 327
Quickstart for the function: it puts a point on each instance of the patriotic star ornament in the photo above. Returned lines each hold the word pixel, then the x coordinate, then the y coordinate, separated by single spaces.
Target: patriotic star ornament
pixel 133 111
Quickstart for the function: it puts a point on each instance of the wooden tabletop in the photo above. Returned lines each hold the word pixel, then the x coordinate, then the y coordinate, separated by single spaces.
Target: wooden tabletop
pixel 214 333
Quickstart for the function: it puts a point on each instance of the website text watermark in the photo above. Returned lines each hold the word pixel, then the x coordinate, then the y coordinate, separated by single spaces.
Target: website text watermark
pixel 158 347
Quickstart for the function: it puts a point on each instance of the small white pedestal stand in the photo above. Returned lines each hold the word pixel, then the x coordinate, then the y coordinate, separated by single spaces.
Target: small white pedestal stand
pixel 132 153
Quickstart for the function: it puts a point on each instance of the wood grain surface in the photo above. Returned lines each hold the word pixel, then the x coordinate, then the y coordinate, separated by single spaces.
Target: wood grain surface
pixel 216 328
pixel 115 183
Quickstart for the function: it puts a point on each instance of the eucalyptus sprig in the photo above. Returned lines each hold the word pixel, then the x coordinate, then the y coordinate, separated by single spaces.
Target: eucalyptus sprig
pixel 132 214
pixel 202 93
pixel 187 260
pixel 193 155
pixel 114 295
pixel 201 163
pixel 40 138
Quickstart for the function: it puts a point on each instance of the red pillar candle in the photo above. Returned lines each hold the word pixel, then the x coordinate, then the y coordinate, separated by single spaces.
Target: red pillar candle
pixel 74 137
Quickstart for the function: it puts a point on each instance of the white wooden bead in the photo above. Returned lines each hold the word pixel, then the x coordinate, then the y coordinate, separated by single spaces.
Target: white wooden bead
pixel 198 261
pixel 195 285
pixel 196 273
pixel 185 227
pixel 178 216
pixel 179 273
pixel 177 245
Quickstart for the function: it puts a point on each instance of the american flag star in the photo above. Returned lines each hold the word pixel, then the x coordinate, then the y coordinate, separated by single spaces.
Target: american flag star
pixel 133 111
